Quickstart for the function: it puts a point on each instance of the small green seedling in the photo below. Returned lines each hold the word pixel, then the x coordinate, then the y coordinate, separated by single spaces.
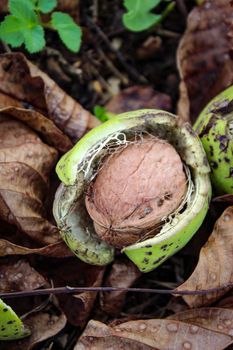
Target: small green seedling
pixel 11 327
pixel 24 25
pixel 102 113
pixel 139 16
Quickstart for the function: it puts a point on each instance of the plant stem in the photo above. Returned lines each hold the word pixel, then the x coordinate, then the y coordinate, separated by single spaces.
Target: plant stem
pixel 75 290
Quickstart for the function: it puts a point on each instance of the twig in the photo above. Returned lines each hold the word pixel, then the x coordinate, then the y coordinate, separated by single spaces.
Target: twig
pixel 75 290
pixel 130 70
pixel 182 7
pixel 95 10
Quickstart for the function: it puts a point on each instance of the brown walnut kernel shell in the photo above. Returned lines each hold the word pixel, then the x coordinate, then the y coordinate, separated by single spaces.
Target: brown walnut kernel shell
pixel 136 188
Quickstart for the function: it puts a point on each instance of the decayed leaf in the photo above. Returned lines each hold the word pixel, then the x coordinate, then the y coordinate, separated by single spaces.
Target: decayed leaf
pixel 215 265
pixel 73 272
pixel 16 276
pixel 161 334
pixel 204 56
pixel 42 326
pixel 123 274
pixel 138 97
pixel 26 163
pixel 25 82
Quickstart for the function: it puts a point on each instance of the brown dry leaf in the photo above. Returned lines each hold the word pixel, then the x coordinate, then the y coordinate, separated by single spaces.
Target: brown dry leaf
pixel 138 97
pixel 204 56
pixel 122 274
pixel 213 318
pixel 19 275
pixel 23 81
pixel 161 334
pixel 74 273
pixel 42 125
pixel 42 326
pixel 57 250
pixel 26 163
pixel 215 265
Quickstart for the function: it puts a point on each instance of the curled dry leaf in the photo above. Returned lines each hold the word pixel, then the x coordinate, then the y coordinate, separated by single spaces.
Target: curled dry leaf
pixel 138 97
pixel 215 265
pixel 23 81
pixel 19 276
pixel 122 274
pixel 162 334
pixel 204 56
pixel 26 163
pixel 73 272
pixel 42 125
pixel 42 326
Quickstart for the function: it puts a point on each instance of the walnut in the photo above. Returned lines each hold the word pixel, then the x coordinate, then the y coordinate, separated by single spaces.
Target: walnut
pixel 136 188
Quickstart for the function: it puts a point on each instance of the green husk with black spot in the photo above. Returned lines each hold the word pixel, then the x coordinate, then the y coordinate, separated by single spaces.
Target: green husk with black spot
pixel 215 129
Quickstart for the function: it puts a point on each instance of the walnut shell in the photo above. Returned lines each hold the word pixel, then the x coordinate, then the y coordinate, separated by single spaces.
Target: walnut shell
pixel 136 188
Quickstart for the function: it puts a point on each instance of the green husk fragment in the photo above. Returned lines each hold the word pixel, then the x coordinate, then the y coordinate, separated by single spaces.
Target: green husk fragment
pixel 80 165
pixel 215 129
pixel 11 327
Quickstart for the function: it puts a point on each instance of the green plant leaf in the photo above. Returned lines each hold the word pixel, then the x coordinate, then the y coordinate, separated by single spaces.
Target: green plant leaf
pixel 11 31
pixel 34 39
pixel 46 6
pixel 69 32
pixel 23 9
pixel 100 113
pixel 11 327
pixel 139 17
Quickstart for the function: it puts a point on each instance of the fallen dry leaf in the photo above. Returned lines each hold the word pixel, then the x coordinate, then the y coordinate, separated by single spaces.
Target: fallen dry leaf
pixel 58 249
pixel 204 56
pixel 26 163
pixel 161 334
pixel 19 276
pixel 23 81
pixel 215 265
pixel 74 273
pixel 42 326
pixel 138 97
pixel 213 318
pixel 42 125
pixel 122 274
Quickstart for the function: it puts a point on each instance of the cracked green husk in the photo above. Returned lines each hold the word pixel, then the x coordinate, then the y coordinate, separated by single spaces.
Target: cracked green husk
pixel 11 327
pixel 78 167
pixel 215 128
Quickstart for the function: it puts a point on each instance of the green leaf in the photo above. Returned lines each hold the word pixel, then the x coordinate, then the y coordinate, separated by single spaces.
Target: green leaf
pixel 46 6
pixel 100 113
pixel 11 327
pixel 34 39
pixel 69 32
pixel 11 31
pixel 23 9
pixel 139 17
